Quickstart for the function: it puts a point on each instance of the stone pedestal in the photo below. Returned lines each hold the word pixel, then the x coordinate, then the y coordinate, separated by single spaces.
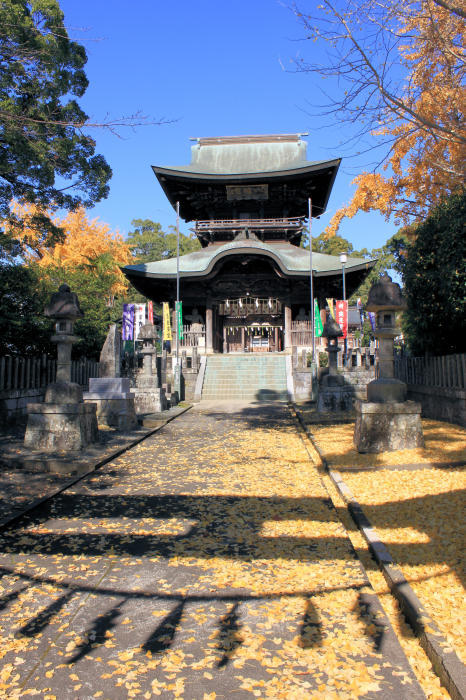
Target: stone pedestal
pixel 387 422
pixel 334 395
pixel 148 396
pixel 114 402
pixel 60 427
pixel 387 426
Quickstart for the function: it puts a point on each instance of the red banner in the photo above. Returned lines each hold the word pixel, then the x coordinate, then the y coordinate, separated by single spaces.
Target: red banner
pixel 342 316
pixel 150 312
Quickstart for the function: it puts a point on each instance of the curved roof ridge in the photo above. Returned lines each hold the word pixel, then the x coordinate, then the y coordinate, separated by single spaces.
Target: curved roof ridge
pixel 290 259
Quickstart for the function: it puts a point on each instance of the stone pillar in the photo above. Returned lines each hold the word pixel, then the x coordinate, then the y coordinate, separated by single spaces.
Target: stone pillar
pixel 64 347
pixel 209 336
pixel 303 359
pixel 358 357
pixel 287 326
pixel 109 361
pixel 385 359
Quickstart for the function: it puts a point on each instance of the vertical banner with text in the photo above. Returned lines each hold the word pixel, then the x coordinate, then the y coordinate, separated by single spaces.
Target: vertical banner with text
pixel 342 316
pixel 150 312
pixel 331 308
pixel 167 328
pixel 179 319
pixel 139 318
pixel 318 327
pixel 128 322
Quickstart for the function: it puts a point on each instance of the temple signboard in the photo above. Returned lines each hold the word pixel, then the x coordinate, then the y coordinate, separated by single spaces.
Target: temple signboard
pixel 238 192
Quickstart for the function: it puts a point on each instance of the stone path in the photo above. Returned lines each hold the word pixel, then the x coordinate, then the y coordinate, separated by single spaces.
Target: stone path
pixel 207 562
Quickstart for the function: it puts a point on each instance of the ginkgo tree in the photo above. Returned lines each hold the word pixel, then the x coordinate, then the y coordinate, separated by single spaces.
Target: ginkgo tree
pixel 88 258
pixel 396 74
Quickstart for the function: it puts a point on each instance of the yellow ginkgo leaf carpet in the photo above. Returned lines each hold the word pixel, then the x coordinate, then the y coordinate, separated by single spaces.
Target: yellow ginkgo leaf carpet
pixel 207 562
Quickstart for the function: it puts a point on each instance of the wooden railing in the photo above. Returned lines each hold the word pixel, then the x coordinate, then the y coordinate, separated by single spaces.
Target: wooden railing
pixel 37 372
pixel 191 337
pixel 301 333
pixel 448 371
pixel 229 224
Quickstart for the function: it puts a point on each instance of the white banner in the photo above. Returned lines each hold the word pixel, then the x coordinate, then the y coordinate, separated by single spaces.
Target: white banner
pixel 139 318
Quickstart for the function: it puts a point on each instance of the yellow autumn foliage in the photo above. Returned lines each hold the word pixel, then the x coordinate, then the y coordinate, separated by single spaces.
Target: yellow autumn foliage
pixel 85 242
pixel 423 125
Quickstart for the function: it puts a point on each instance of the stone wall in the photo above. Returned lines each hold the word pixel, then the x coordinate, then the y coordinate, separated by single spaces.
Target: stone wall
pixel 440 403
pixel 13 402
pixel 302 384
pixel 188 383
pixel 358 379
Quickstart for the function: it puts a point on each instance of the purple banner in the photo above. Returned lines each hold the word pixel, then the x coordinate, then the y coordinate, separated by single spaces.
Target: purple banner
pixel 371 315
pixel 128 322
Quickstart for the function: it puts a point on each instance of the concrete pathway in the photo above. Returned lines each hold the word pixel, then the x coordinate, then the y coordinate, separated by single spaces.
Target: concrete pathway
pixel 207 562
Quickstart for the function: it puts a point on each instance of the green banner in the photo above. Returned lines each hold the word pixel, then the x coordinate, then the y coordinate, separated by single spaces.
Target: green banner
pixel 179 319
pixel 318 327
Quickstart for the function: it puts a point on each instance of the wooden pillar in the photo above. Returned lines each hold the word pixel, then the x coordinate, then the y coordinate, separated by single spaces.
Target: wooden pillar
pixel 287 325
pixel 242 338
pixel 209 336
pixel 276 339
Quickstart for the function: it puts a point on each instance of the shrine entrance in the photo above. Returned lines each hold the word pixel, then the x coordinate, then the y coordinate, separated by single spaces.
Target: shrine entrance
pixel 251 325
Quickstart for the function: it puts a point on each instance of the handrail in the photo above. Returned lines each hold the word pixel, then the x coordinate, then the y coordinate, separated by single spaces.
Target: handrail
pixel 284 222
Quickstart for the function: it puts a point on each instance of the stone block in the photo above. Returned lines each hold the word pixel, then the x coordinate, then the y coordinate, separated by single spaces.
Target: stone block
pixel 147 382
pixel 63 393
pixel 149 400
pixel 115 411
pixel 382 427
pixel 386 389
pixel 60 427
pixel 335 399
pixel 109 385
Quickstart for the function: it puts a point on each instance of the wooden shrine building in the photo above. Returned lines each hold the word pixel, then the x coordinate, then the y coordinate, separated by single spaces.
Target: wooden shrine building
pixel 248 287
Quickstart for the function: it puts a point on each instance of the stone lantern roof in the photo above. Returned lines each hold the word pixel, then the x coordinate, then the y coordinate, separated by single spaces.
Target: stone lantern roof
pixel 148 332
pixel 63 304
pixel 385 294
pixel 331 329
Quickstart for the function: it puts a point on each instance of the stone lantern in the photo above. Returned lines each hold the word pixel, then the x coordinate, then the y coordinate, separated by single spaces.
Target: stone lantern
pixel 148 396
pixel 148 334
pixel 385 299
pixel 63 422
pixel 332 332
pixel 334 394
pixel 64 309
pixel 387 421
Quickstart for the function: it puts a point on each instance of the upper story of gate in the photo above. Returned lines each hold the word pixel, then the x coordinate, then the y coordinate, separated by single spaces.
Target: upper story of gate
pixel 249 186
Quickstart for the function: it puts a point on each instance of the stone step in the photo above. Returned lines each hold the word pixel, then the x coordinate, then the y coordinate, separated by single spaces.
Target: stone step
pixel 245 377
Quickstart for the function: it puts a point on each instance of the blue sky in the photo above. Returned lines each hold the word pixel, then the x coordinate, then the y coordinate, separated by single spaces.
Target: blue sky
pixel 216 69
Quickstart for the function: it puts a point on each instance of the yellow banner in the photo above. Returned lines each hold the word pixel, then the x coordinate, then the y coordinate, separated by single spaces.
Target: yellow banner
pixel 331 308
pixel 167 327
